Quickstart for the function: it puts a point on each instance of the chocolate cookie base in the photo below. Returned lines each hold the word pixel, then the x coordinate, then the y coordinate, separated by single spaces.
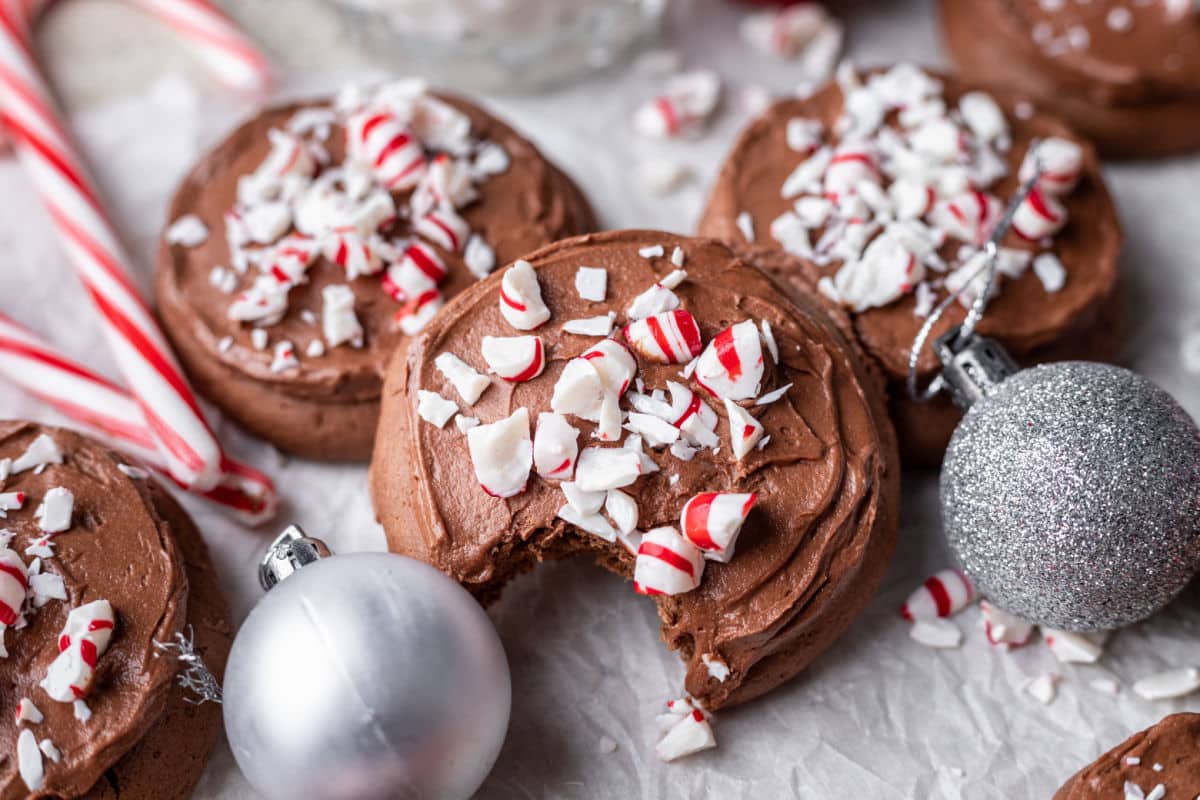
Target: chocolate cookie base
pixel 1167 753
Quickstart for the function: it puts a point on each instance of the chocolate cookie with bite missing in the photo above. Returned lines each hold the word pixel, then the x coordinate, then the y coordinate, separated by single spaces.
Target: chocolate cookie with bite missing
pixel 1165 755
pixel 98 566
pixel 1125 74
pixel 656 403
pixel 879 192
pixel 318 236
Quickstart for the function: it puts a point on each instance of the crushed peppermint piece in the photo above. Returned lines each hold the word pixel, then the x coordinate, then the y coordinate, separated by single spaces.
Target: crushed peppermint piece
pixel 653 251
pixel 718 670
pixel 224 344
pixel 585 502
pixel 1050 271
pixel 465 423
pixel 479 257
pixel 83 640
pixel 45 587
pixel 687 102
pixel 466 380
pixel 771 397
pixel 555 446
pixel 712 521
pixel 258 338
pixel 502 454
pixel 1044 688
pixel 685 730
pixel 591 326
pixel 285 357
pixel 315 349
pixel 667 563
pixel 223 279
pixel 435 409
pixel 81 710
pixel 603 468
pixel 11 501
pixel 28 712
pixel 744 429
pixel 521 302
pixel 29 761
pixel 49 750
pixel 768 337
pixel 1002 628
pixel 54 514
pixel 943 594
pixel 1167 685
pixel 745 224
pixel 936 633
pixel 188 231
pixel 339 323
pixel 622 509
pixel 677 256
pixel 1074 648
pixel 731 367
pixel 591 283
pixel 595 524
pixel 515 359
pixel 41 451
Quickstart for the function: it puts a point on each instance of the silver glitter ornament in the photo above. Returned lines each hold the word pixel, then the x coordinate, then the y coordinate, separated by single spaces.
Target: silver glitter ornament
pixel 1071 496
pixel 364 676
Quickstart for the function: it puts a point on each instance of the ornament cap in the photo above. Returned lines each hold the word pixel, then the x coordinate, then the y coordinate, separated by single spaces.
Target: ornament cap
pixel 291 551
pixel 972 368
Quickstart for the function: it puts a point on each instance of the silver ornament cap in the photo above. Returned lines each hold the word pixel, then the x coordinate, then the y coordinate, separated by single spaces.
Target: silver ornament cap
pixel 1071 496
pixel 364 676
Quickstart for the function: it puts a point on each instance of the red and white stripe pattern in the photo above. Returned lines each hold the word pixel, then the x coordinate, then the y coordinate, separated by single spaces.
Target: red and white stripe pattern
pixel 1040 215
pixel 515 359
pixel 670 337
pixel 14 582
pixel 666 564
pixel 613 362
pixel 216 40
pixel 731 367
pixel 84 639
pixel 1061 161
pixel 942 595
pixel 521 302
pixel 381 142
pixel 111 413
pixel 968 217
pixel 445 228
pixel 350 251
pixel 185 443
pixel 851 165
pixel 555 446
pixel 1003 628
pixel 419 271
pixel 713 520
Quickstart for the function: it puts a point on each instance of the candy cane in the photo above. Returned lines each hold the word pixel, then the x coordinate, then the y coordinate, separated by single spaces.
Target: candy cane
pixel 110 413
pixel 186 445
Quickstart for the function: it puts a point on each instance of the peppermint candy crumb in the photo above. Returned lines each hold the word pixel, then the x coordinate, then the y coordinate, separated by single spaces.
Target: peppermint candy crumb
pixel 718 670
pixel 29 761
pixel 54 514
pixel 188 231
pixel 41 452
pixel 745 224
pixel 1044 688
pixel 435 409
pixel 591 326
pixel 591 283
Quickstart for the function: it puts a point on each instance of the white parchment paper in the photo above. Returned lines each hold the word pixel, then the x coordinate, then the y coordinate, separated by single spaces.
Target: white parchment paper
pixel 879 716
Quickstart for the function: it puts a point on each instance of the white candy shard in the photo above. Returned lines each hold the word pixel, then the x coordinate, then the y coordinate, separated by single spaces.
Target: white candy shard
pixel 1039 215
pixel 14 583
pixel 682 109
pixel 603 468
pixel 83 640
pixel 285 357
pixel 667 564
pixel 469 383
pixel 1003 628
pixel 445 228
pixel 614 364
pixel 555 446
pixel 936 633
pixel 29 761
pixel 54 514
pixel 983 116
pixel 584 502
pixel 713 520
pixel 852 164
pixel 11 501
pixel 479 257
pixel 339 323
pixel 187 231
pixel 1050 271
pixel 1074 648
pixel 465 424
pixel 622 510
pixel 943 594
pixel 731 367
pixel 886 271
pixel 804 135
pixel 435 409
pixel 418 273
pixel 1168 685
pixel 655 300
pixel 41 451
pixel 514 358
pixel 49 750
pixel 594 524
pixel 591 326
pixel 969 217
pixel 28 712
pixel 656 431
pixel 744 430
pixel 579 390
pixel 381 142
pixel 1061 161
pixel 689 733
pixel 718 670
pixel 592 283
pixel 521 297
pixel 1044 688
pixel 668 337
pixel 502 454
pixel 46 586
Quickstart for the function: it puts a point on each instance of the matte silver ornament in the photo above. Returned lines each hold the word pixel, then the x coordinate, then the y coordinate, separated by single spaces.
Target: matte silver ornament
pixel 1071 496
pixel 366 676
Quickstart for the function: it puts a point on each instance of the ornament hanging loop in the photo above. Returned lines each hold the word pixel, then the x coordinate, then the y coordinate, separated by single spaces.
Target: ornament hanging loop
pixel 972 365
pixel 291 551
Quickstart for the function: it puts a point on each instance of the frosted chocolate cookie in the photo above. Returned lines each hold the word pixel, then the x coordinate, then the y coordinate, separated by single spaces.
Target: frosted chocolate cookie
pixel 310 243
pixel 1160 762
pixel 95 569
pixel 658 404
pixel 1125 73
pixel 879 191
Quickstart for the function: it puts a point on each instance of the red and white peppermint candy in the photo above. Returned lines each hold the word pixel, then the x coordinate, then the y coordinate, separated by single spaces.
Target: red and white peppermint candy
pixel 1061 161
pixel 969 217
pixel 54 514
pixel 502 454
pixel 290 258
pixel 11 501
pixel 514 358
pixel 351 252
pixel 712 521
pixel 682 109
pixel 666 564
pixel 613 362
pixel 1002 628
pixel 911 199
pixel 555 447
pixel 521 297
pixel 339 324
pixel 420 270
pixel 289 157
pixel 28 712
pixel 447 183
pixel 445 228
pixel 685 730
pixel 83 641
pixel 731 367
pixel 670 337
pixel 851 165
pixel 745 432
pixel 380 141
pixel 887 270
pixel 1075 648
pixel 264 302
pixel 1040 215
pixel 787 31
pixel 418 311
pixel 659 297
pixel 14 582
pixel 942 595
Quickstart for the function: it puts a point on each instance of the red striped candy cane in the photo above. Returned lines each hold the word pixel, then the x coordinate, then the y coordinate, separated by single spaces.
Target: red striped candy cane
pixel 110 413
pixel 186 446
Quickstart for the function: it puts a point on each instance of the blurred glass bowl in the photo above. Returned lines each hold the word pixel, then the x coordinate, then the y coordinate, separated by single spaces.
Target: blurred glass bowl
pixel 500 45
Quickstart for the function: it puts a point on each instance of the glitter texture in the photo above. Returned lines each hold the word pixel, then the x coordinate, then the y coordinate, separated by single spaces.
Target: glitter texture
pixel 1071 496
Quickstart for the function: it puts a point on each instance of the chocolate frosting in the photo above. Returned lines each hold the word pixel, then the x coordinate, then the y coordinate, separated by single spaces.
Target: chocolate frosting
pixel 529 205
pixel 119 548
pixel 1134 88
pixel 1173 745
pixel 813 549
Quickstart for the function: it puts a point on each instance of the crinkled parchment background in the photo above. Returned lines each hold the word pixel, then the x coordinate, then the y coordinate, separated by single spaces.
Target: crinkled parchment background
pixel 879 716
